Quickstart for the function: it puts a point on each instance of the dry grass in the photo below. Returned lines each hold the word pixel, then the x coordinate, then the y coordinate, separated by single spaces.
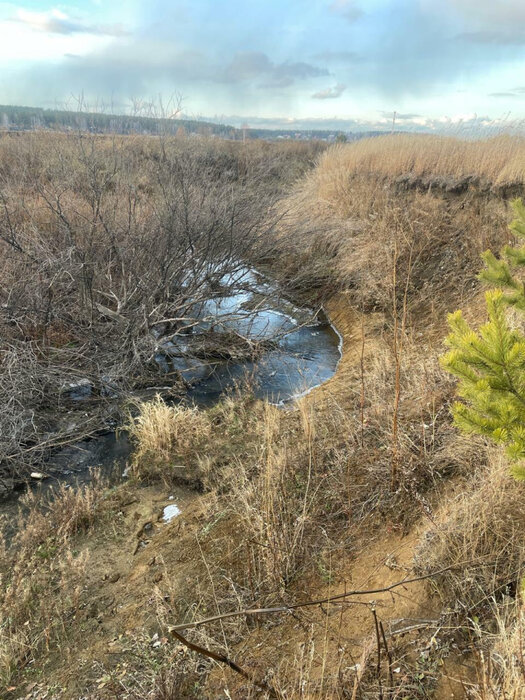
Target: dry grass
pixel 363 214
pixel 481 535
pixel 41 576
pixel 494 161
pixel 501 667
pixel 170 441
pixel 313 488
pixel 399 222
pixel 177 443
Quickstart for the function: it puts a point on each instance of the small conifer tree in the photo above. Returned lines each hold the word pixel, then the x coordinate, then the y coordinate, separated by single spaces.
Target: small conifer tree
pixel 490 362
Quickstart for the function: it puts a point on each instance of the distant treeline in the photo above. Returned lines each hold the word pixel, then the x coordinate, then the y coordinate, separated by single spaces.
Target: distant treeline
pixel 15 118
pixel 310 134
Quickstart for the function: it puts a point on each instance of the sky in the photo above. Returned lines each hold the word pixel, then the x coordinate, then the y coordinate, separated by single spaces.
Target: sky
pixel 282 63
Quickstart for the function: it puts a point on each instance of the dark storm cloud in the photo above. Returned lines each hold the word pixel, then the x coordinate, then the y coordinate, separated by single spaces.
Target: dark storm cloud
pixel 330 93
pixel 251 65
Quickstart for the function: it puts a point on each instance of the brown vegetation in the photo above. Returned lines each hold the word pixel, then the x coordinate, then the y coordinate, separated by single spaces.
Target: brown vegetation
pixel 107 246
pixel 41 575
pixel 440 162
pixel 361 485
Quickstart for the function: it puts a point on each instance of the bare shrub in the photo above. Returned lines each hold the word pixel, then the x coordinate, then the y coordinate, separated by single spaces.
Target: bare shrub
pixel 110 244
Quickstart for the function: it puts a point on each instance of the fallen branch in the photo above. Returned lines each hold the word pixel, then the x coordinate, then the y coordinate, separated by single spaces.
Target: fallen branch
pixel 319 601
pixel 228 662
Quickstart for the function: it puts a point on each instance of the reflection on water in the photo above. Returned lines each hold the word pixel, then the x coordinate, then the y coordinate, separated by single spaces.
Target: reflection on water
pixel 302 357
pixel 305 358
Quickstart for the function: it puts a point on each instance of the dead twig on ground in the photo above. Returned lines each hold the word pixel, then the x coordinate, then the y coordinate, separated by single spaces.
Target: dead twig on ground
pixel 272 692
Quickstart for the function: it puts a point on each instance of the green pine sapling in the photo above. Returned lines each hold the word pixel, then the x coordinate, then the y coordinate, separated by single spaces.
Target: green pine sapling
pixel 490 362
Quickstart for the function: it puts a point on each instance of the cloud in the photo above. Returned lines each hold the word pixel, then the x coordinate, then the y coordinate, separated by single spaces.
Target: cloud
pixel 330 93
pixel 504 94
pixel 510 38
pixel 455 125
pixel 338 57
pixel 277 83
pixel 144 66
pixel 57 22
pixel 418 48
pixel 400 115
pixel 247 65
pixel 253 65
pixel 349 9
pixel 490 21
pixel 508 13
pixel 229 55
pixel 517 93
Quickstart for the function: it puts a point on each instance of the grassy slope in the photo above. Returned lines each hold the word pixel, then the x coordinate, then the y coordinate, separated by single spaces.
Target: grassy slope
pixel 299 503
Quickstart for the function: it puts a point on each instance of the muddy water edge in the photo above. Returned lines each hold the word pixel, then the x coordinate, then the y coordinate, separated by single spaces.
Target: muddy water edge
pixel 306 355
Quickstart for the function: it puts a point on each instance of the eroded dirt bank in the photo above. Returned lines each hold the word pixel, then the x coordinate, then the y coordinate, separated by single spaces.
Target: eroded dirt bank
pixel 144 574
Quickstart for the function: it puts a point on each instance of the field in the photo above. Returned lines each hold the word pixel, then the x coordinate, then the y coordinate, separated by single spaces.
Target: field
pixel 352 545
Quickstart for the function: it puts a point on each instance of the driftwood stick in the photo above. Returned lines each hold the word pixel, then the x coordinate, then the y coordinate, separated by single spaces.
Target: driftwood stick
pixel 378 643
pixel 225 660
pixel 389 656
pixel 310 603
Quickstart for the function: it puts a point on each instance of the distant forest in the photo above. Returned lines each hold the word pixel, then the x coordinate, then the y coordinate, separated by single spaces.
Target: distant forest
pixel 16 118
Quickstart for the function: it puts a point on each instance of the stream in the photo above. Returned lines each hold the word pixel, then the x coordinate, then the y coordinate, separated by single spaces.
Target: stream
pixel 304 352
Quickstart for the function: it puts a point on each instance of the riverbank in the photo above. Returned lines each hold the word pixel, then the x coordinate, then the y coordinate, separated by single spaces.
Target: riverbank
pixel 139 574
pixel 132 551
pixel 265 343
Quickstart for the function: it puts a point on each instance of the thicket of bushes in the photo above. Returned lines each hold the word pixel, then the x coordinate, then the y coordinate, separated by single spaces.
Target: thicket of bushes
pixel 107 243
